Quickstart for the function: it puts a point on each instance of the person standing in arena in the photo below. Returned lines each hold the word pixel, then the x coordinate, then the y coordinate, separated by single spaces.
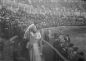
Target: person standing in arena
pixel 34 36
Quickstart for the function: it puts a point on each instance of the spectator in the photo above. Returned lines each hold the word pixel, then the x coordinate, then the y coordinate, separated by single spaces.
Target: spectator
pixel 59 46
pixel 35 37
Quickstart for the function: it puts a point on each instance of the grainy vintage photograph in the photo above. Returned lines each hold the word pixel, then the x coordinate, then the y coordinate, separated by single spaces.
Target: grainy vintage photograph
pixel 42 30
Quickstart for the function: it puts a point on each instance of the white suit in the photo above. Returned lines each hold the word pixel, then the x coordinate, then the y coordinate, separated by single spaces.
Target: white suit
pixel 34 39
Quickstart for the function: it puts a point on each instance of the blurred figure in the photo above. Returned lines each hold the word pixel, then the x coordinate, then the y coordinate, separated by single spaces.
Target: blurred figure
pixel 31 33
pixel 1 48
pixel 62 45
pixel 34 37
pixel 46 35
pixel 59 48
pixel 79 57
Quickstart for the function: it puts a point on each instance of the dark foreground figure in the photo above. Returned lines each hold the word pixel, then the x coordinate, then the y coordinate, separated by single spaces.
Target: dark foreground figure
pixel 23 54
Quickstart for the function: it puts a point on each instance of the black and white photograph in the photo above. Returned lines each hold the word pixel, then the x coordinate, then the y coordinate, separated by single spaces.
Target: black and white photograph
pixel 42 30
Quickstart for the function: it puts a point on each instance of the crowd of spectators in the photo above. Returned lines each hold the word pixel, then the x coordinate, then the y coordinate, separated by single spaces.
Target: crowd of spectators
pixel 14 24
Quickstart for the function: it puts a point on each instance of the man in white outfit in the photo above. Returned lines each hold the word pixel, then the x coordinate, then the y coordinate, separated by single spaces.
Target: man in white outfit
pixel 34 36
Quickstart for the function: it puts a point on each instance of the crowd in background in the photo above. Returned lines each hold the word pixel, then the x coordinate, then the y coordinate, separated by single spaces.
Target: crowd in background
pixel 14 24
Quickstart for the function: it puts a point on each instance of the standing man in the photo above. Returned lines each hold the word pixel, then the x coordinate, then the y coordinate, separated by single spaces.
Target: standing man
pixel 34 36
